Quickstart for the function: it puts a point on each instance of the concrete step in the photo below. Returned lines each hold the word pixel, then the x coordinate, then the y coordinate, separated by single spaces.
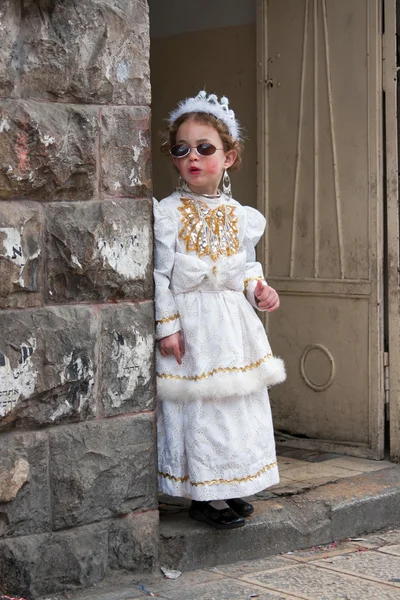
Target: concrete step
pixel 347 508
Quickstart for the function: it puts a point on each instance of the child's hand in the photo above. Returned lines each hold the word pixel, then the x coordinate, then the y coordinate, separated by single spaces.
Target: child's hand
pixel 267 298
pixel 173 344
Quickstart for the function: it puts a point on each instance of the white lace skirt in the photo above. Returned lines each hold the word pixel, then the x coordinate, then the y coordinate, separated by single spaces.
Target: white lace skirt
pixel 214 450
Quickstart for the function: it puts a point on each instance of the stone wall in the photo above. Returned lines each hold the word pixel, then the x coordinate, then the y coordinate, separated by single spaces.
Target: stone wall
pixel 77 451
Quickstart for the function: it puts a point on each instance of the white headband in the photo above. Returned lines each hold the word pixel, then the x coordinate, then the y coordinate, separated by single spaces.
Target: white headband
pixel 209 105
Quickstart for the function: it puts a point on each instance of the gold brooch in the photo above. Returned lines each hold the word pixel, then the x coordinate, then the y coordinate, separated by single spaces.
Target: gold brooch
pixel 209 231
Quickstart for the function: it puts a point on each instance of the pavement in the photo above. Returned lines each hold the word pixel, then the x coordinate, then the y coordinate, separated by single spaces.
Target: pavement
pixel 361 568
pixel 310 537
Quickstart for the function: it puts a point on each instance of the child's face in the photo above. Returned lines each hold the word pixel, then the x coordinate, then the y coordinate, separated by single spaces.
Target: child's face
pixel 202 173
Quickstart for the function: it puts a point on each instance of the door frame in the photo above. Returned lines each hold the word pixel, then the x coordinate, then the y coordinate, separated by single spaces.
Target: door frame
pixel 390 185
pixel 262 131
pixel 392 230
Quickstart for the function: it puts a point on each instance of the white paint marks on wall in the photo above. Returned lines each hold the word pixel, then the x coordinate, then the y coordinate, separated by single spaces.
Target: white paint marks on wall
pixel 127 254
pixel 18 382
pixel 61 410
pixel 12 246
pixel 12 249
pixel 4 125
pixel 134 362
pixel 122 71
pixel 134 176
pixel 136 152
pixel 47 140
pixel 137 148
pixel 75 261
pixel 77 369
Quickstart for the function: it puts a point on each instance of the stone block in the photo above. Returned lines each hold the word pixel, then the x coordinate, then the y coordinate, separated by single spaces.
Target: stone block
pixel 21 263
pixel 99 251
pixel 133 542
pixel 127 358
pixel 24 489
pixel 47 151
pixel 276 527
pixel 10 16
pixel 102 469
pixel 125 151
pixel 42 564
pixel 91 51
pixel 47 366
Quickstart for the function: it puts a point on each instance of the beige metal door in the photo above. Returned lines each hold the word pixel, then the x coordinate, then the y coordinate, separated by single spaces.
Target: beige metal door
pixel 320 183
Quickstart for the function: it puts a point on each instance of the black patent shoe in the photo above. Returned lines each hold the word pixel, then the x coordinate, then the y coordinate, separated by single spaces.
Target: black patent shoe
pixel 241 507
pixel 225 518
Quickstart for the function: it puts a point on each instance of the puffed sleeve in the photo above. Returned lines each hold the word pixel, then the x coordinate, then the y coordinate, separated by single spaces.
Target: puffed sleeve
pixel 167 316
pixel 254 229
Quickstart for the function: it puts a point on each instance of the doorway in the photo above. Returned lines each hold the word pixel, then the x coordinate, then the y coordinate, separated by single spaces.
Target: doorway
pixel 208 45
pixel 305 80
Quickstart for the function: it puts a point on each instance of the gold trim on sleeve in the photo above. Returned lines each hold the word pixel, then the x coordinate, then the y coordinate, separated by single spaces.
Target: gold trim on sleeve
pixel 244 369
pixel 168 319
pixel 219 481
pixel 247 281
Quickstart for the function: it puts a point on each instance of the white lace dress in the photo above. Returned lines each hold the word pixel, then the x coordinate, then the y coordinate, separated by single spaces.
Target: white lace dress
pixel 215 433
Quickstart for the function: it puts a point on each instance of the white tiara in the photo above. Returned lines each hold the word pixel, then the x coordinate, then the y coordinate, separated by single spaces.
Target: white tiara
pixel 209 105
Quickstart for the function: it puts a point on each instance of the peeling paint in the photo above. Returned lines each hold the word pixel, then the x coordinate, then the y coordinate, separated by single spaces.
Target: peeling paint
pixel 47 140
pixel 136 152
pixel 75 261
pixel 18 382
pixel 12 249
pixel 134 366
pixel 12 245
pixel 122 72
pixel 138 148
pixel 4 125
pixel 62 410
pixel 127 254
pixel 77 370
pixel 66 362
pixel 133 178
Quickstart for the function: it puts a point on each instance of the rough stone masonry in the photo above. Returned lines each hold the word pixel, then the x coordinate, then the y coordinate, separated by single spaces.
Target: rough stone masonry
pixel 77 451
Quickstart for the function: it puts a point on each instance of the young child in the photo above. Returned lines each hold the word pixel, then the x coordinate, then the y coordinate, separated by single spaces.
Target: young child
pixel 214 363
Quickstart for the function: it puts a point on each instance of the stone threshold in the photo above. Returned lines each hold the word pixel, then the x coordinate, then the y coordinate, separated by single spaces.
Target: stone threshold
pixel 349 507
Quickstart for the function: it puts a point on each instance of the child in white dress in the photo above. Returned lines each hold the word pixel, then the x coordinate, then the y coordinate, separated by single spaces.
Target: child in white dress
pixel 213 360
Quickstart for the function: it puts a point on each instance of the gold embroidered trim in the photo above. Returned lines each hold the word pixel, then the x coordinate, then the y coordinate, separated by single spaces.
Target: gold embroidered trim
pixel 247 281
pixel 215 371
pixel 209 231
pixel 167 319
pixel 219 481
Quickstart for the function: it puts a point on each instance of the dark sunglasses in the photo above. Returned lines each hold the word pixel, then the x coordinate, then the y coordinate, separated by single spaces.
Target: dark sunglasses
pixel 204 149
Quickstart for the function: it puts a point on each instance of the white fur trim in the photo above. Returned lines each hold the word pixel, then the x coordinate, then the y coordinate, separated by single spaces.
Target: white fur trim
pixel 224 385
pixel 209 105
